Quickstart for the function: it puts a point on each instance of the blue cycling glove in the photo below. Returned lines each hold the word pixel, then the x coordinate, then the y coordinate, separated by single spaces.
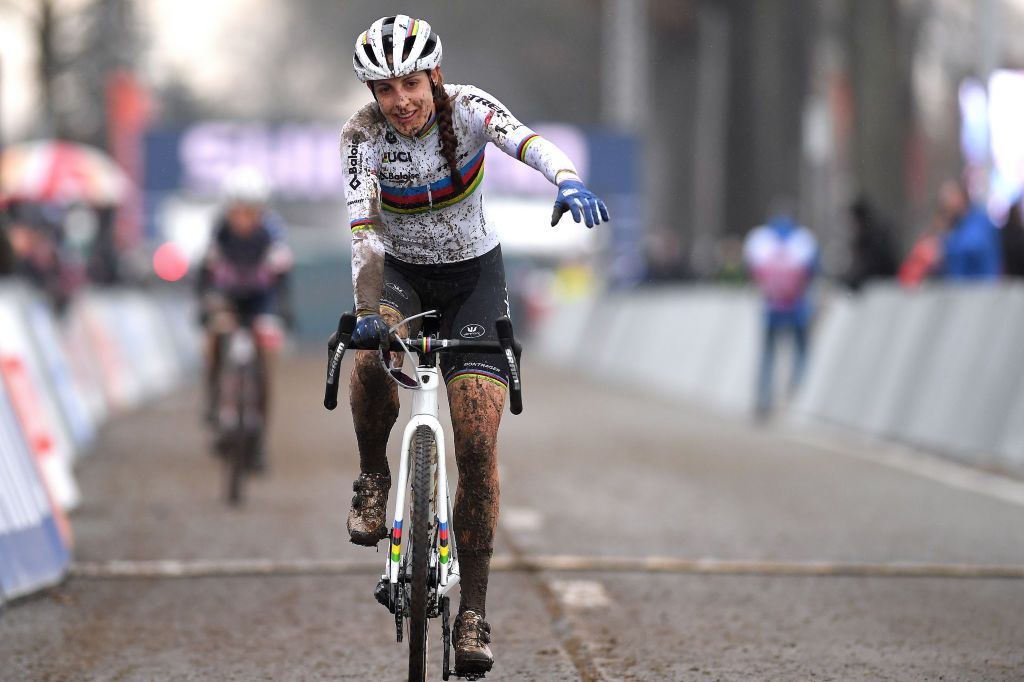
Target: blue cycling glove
pixel 370 331
pixel 574 196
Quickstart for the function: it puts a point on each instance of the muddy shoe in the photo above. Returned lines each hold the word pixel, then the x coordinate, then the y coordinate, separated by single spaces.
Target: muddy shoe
pixel 472 635
pixel 366 518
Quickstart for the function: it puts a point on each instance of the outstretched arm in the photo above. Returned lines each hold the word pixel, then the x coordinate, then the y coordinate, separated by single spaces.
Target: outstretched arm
pixel 522 143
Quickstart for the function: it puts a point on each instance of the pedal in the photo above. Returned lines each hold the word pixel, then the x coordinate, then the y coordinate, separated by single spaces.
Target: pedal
pixel 382 593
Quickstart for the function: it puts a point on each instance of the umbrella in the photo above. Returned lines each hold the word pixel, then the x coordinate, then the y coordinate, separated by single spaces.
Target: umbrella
pixel 63 172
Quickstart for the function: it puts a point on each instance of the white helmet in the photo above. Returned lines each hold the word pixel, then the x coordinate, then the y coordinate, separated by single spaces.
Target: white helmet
pixel 245 185
pixel 379 55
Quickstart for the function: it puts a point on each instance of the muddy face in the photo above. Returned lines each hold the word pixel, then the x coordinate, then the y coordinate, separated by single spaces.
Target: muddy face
pixel 406 102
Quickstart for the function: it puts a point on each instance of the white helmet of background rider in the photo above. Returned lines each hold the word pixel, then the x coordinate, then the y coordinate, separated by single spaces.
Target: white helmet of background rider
pixel 245 185
pixel 379 56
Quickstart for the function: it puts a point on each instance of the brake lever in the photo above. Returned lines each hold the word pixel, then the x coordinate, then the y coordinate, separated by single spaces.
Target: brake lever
pixel 346 325
pixel 508 344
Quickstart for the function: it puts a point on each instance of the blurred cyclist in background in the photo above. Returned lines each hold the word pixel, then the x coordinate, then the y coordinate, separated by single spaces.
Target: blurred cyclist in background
pixel 413 160
pixel 244 279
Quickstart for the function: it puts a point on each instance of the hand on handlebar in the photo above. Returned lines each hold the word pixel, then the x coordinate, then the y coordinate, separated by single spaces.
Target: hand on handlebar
pixel 371 330
pixel 574 196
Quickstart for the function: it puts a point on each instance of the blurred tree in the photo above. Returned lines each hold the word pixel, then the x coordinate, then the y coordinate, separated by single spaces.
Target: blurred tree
pixel 299 64
pixel 881 42
pixel 78 44
pixel 543 70
pixel 769 67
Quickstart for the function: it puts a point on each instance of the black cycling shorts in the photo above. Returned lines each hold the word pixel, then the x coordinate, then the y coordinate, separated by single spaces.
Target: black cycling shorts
pixel 470 296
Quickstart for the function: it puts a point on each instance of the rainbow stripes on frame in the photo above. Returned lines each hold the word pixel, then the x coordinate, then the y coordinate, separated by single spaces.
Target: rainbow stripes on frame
pixel 396 541
pixel 443 536
pixel 361 224
pixel 439 194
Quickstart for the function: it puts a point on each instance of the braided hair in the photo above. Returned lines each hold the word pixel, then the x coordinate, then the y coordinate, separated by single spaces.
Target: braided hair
pixel 446 130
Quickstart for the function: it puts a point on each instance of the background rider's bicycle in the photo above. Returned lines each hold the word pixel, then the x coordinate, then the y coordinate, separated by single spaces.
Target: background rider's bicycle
pixel 239 423
pixel 420 571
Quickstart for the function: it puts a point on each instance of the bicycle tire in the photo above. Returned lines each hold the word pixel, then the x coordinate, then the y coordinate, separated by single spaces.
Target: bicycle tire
pixel 241 452
pixel 424 452
pixel 236 468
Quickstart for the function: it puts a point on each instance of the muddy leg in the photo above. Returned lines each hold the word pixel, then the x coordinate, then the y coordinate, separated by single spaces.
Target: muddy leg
pixel 476 406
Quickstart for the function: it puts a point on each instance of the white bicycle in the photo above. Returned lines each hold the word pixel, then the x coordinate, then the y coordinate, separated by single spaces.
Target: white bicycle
pixel 419 573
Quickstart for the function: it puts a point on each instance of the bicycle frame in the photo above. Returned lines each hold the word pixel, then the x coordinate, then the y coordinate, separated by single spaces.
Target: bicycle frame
pixel 425 413
pixel 442 558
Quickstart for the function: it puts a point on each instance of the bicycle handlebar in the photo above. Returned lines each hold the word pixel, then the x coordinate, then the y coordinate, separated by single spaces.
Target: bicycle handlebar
pixel 506 345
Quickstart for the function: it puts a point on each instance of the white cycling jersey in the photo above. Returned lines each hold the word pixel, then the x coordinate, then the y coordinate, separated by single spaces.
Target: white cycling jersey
pixel 401 200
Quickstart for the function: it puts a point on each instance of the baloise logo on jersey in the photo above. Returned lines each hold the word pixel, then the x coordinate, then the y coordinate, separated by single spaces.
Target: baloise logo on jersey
pixel 472 331
pixel 353 165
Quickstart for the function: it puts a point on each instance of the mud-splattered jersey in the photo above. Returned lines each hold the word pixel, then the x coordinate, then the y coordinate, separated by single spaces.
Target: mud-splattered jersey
pixel 400 196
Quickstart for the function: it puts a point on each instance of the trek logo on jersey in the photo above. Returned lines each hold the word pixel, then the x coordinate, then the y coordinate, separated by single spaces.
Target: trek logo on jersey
pixel 486 102
pixel 472 331
pixel 353 164
pixel 392 157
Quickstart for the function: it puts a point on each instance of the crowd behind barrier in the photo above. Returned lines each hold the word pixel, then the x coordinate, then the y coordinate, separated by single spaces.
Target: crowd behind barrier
pixel 60 379
pixel 936 368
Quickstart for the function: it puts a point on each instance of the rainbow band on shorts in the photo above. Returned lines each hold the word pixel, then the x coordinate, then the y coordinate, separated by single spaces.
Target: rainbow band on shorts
pixel 479 374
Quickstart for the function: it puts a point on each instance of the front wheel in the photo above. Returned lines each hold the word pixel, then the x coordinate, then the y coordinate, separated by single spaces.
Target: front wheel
pixel 423 456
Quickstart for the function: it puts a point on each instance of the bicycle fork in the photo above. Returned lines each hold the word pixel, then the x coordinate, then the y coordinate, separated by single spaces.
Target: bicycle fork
pixel 444 558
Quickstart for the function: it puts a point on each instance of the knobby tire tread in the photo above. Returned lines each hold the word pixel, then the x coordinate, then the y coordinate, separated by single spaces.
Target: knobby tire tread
pixel 423 453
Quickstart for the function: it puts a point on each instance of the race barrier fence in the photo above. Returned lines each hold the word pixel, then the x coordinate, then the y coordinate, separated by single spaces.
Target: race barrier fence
pixel 936 368
pixel 60 378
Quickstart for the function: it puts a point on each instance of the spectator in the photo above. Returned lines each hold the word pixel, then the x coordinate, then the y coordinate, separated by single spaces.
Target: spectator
pixel 6 252
pixel 872 253
pixel 35 236
pixel 1012 239
pixel 925 257
pixel 971 245
pixel 782 256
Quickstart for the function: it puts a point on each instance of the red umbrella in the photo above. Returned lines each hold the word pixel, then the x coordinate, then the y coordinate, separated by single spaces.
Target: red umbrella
pixel 63 172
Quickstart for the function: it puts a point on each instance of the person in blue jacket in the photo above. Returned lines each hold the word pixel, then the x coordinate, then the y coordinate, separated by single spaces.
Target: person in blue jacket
pixel 782 257
pixel 971 248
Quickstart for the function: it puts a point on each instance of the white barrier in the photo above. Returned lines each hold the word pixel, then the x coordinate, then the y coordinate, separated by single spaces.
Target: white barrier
pixel 81 425
pixel 715 334
pixel 938 368
pixel 113 350
pixel 34 538
pixel 34 403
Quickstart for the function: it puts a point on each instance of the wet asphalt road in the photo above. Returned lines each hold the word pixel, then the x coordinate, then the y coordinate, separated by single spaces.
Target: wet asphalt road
pixel 586 472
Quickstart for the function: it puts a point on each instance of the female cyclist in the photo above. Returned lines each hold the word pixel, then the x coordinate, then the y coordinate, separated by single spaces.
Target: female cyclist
pixel 413 161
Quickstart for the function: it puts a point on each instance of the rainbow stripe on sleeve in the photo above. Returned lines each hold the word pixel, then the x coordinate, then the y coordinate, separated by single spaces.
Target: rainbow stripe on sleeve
pixel 524 145
pixel 361 224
